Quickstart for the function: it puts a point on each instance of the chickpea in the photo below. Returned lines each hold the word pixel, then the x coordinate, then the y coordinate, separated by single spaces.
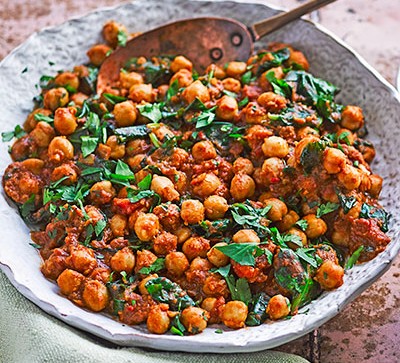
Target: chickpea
pixel 142 285
pixel 118 225
pixel 236 69
pixel 64 170
pixel 55 98
pixel 334 160
pixel 350 177
pixel 98 53
pixel 205 184
pixel 234 314
pixel 142 92
pixel 194 319
pixel 164 188
pixel 253 113
pixel 232 85
pixel 218 71
pixel 196 90
pixel 82 260
pixel 129 79
pixel 165 243
pixel 31 122
pixel 125 114
pixel 215 207
pixel 192 211
pixel 246 236
pixel 278 307
pixel 273 168
pixel 42 134
pixel 176 263
pixel 288 220
pixel 297 57
pixel 243 166
pixel 215 285
pixel 104 151
pixel 95 295
pixel 227 108
pixel 278 209
pixel 376 185
pixel 135 162
pixel 111 29
pixel 306 131
pixel 196 247
pixel 158 321
pixel 263 81
pixel 272 102
pixel 242 187
pixel 183 233
pixel 117 149
pixel 184 78
pixel 60 149
pixel 138 146
pixel 147 226
pixel 70 281
pixel 181 62
pixel 299 233
pixel 316 226
pixel 275 146
pixel 329 275
pixel 78 98
pixel 33 165
pixel 204 150
pixel 352 118
pixel 67 79
pixel 65 120
pixel 102 192
pixel 123 260
pixel 216 257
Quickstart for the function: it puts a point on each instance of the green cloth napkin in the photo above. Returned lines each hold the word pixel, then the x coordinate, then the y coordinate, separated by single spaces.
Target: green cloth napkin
pixel 27 334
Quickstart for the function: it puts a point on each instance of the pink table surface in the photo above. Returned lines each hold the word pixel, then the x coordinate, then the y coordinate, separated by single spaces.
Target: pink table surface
pixel 368 329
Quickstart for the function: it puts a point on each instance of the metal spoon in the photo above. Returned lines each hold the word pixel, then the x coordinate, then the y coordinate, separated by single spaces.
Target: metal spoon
pixel 202 40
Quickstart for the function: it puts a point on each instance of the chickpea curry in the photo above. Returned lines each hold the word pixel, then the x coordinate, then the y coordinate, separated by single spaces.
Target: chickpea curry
pixel 180 200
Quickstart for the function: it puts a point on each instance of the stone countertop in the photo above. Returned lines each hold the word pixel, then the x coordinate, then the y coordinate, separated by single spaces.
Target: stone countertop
pixel 368 330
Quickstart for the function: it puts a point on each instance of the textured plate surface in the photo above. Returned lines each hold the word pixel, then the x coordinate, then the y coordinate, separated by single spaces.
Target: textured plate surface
pixel 66 46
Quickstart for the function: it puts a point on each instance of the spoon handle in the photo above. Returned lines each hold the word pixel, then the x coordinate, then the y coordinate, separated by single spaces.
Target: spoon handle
pixel 267 26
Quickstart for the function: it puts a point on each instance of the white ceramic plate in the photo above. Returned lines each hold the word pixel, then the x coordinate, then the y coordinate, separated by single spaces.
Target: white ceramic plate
pixel 330 59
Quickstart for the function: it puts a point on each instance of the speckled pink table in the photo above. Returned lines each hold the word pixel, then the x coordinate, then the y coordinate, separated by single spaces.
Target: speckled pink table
pixel 369 329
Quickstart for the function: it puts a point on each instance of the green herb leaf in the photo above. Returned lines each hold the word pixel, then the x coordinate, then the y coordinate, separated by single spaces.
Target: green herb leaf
pixel 132 132
pixel 89 145
pixel 99 226
pixel 122 38
pixel 302 224
pixel 280 86
pixel 165 291
pixel 247 77
pixel 28 207
pixel 346 202
pixel 257 310
pixel 223 271
pixel 279 57
pixel 151 110
pixel 242 253
pixel 41 117
pixel 326 209
pixel 383 217
pixel 17 133
pixel 156 266
pixel 311 155
pixel 124 170
pixel 205 118
pixel 172 90
pixel 246 215
pixel 145 183
pixel 354 258
pixel 243 102
pixel 114 99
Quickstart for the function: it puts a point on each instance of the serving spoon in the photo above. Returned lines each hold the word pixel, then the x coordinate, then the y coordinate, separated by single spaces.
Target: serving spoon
pixel 203 40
